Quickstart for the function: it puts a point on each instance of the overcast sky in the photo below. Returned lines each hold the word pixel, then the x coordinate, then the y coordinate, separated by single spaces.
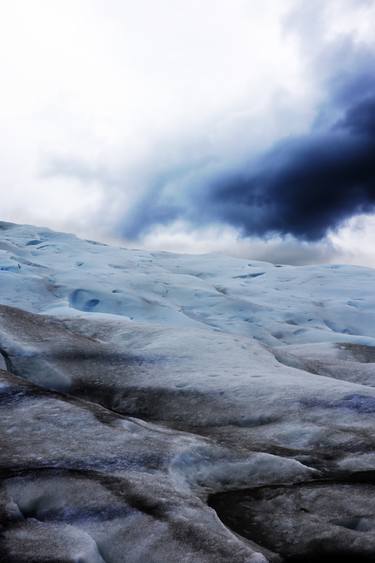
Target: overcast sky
pixel 242 126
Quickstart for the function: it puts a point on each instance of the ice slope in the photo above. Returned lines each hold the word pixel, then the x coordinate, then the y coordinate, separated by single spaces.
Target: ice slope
pixel 235 374
pixel 49 272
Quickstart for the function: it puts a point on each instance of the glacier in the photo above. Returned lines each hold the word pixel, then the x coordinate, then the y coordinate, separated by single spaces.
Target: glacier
pixel 158 407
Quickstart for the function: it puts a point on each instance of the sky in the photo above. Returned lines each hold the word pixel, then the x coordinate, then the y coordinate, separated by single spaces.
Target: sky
pixel 242 126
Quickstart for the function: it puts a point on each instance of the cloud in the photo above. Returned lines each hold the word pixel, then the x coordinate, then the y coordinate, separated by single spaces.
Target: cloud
pixel 173 125
pixel 105 86
pixel 223 239
pixel 304 185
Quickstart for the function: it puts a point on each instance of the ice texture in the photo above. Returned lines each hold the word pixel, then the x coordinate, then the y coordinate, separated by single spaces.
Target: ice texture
pixel 158 407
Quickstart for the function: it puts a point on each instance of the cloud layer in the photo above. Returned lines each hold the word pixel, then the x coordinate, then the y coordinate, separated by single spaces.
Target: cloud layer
pixel 304 185
pixel 246 128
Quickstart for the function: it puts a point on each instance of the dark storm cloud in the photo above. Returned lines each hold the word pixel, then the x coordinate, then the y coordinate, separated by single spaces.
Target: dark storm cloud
pixel 308 185
pixel 303 186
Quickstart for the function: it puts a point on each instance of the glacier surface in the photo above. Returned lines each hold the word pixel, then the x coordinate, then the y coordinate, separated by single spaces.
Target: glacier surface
pixel 158 407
